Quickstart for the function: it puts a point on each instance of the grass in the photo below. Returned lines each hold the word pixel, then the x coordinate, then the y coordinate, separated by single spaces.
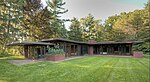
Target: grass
pixel 87 69
pixel 12 57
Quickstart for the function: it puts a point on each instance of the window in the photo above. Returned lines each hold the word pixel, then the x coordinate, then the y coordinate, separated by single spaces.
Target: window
pixel 104 49
pixel 116 48
pixel 127 49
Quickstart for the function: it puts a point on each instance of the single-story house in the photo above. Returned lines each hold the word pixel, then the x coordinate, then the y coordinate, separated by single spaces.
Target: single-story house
pixel 75 48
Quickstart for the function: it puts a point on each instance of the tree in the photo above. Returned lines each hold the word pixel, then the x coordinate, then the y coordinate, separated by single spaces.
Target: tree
pixel 132 24
pixel 108 27
pixel 109 23
pixel 135 21
pixel 98 31
pixel 36 21
pixel 55 7
pixel 147 6
pixel 89 27
pixel 10 14
pixel 75 30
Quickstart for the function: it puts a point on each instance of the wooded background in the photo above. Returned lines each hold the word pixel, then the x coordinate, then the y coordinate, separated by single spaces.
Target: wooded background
pixel 29 20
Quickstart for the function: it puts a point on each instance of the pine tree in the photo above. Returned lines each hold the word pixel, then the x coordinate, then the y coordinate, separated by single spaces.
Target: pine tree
pixel 10 15
pixel 36 20
pixel 90 28
pixel 75 30
pixel 55 7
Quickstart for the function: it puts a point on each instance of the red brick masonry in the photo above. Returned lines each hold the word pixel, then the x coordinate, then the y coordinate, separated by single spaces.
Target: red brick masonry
pixel 90 50
pixel 138 54
pixel 55 57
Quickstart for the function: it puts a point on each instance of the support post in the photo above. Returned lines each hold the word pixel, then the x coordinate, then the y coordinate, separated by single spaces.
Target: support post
pixel 26 51
pixel 41 51
pixel 97 50
pixel 69 50
pixel 130 49
pixel 44 50
pixel 75 52
pixel 79 49
pixel 65 49
pixel 90 50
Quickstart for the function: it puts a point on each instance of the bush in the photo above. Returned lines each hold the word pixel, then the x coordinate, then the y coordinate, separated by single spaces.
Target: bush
pixel 142 47
pixel 52 51
pixel 4 54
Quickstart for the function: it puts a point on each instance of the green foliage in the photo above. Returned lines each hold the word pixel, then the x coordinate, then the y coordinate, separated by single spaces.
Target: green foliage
pixel 145 47
pixel 130 26
pixel 57 23
pixel 35 21
pixel 75 32
pixel 110 22
pixel 147 6
pixel 52 51
pixel 86 29
pixel 10 15
pixel 28 20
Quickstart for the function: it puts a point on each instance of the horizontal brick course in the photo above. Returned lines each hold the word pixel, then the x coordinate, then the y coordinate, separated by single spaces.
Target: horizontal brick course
pixel 138 54
pixel 55 57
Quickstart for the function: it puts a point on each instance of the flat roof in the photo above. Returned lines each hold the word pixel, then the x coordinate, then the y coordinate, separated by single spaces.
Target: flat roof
pixel 29 43
pixel 78 42
pixel 61 39
pixel 113 42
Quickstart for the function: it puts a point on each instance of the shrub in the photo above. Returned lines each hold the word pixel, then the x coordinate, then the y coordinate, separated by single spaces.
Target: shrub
pixel 52 51
pixel 142 47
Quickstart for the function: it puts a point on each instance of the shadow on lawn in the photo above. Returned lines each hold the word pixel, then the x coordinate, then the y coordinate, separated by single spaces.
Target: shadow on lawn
pixel 10 57
pixel 147 56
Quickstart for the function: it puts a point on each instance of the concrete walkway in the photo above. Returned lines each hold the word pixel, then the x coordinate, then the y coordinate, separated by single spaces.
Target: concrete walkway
pixel 115 56
pixel 30 61
pixel 69 58
pixel 23 62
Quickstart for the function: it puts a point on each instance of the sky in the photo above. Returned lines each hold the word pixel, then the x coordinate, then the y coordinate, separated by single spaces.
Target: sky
pixel 100 9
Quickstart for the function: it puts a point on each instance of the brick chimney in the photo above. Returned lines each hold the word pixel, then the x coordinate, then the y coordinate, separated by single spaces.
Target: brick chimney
pixel 91 41
pixel 90 47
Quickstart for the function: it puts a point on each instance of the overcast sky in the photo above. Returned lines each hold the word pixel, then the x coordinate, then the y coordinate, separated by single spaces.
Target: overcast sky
pixel 100 9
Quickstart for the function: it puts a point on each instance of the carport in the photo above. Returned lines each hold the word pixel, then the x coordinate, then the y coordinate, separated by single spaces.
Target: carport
pixel 32 49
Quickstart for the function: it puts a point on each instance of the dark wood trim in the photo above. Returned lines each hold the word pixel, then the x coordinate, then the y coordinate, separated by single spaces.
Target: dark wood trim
pixel 26 51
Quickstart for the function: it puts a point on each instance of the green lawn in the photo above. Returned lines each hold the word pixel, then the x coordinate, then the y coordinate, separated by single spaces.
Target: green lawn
pixel 87 69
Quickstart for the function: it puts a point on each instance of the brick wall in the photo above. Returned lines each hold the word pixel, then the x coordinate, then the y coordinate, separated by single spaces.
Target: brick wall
pixel 55 57
pixel 138 54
